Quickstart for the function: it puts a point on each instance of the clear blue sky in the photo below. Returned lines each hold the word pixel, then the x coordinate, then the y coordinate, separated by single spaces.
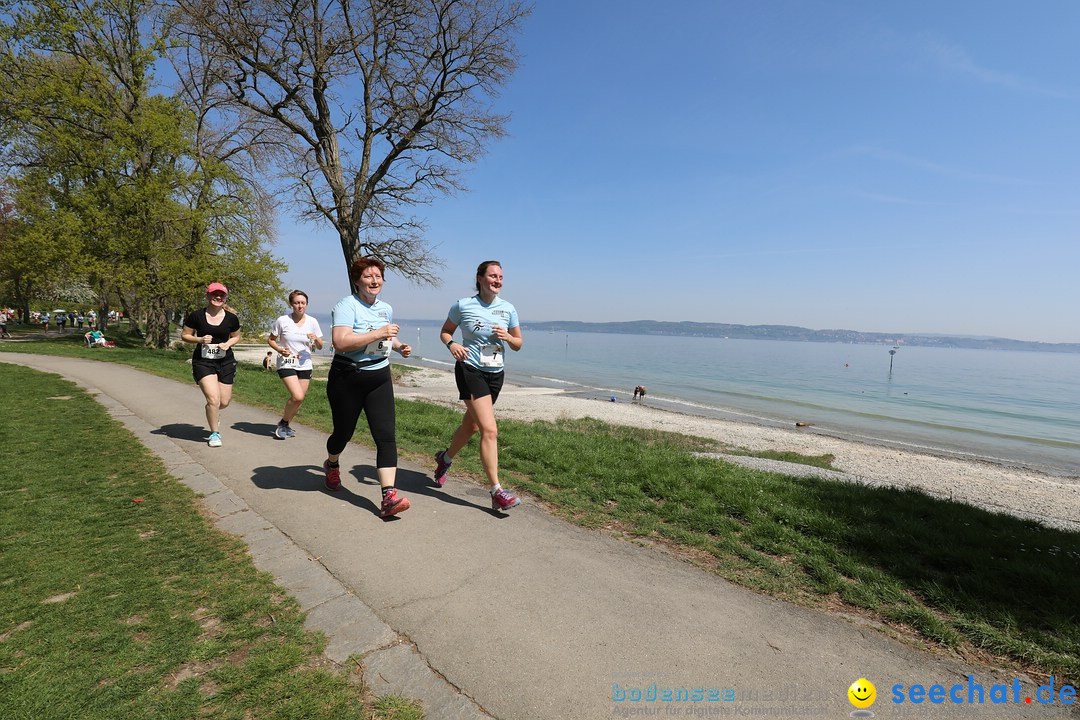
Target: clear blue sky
pixel 894 167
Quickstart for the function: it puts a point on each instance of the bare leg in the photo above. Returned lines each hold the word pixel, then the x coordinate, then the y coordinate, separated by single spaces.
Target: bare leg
pixel 464 432
pixel 481 415
pixel 387 476
pixel 225 394
pixel 211 390
pixel 297 391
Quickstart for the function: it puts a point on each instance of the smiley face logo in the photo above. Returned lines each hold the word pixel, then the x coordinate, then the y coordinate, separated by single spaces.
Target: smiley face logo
pixel 862 693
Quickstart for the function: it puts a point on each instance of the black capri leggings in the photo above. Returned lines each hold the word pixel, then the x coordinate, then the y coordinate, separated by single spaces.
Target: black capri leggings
pixel 351 392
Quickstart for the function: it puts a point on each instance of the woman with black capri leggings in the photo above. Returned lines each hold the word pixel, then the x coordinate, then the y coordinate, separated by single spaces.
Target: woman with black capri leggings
pixel 364 333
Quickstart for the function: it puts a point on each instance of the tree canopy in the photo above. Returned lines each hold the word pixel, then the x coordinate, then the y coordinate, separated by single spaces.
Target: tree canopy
pixel 360 110
pixel 110 181
pixel 366 108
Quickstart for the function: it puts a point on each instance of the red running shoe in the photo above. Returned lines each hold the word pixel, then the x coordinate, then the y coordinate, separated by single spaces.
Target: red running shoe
pixel 442 466
pixel 333 476
pixel 392 504
pixel 504 500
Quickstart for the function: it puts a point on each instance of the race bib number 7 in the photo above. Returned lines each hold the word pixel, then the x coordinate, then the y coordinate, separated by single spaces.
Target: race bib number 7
pixel 491 355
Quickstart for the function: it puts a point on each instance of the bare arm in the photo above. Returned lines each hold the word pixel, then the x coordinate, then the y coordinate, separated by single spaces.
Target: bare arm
pixel 511 337
pixel 446 335
pixel 234 337
pixel 188 335
pixel 271 340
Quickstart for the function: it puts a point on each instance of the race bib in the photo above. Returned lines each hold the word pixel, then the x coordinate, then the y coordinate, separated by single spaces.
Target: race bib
pixel 380 348
pixel 491 355
pixel 289 362
pixel 212 352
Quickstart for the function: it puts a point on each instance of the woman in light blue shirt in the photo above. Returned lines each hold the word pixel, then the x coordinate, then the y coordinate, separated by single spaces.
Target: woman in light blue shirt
pixel 488 325
pixel 364 333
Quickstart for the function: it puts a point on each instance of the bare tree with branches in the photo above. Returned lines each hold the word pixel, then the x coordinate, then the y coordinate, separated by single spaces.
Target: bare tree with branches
pixel 369 107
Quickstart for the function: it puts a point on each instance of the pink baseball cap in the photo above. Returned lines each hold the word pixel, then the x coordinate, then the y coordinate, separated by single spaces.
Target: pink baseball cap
pixel 216 287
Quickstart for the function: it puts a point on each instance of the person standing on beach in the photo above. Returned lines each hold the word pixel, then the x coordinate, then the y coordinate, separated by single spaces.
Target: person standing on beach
pixel 292 336
pixel 488 324
pixel 364 334
pixel 214 330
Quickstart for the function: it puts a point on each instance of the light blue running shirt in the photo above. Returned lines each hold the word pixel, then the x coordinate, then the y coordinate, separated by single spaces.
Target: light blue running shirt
pixel 351 312
pixel 475 319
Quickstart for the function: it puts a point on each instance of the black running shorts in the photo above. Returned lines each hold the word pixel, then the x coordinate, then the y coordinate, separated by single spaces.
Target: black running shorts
pixel 473 383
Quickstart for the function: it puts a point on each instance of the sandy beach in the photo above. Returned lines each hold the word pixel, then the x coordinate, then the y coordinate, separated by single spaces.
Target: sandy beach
pixel 1053 501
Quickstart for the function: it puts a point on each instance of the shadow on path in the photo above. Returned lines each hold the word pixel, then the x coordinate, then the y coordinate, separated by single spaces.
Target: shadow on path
pixel 412 482
pixel 183 431
pixel 309 478
pixel 254 428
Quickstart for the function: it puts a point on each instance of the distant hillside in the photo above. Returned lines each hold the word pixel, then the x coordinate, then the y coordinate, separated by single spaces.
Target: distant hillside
pixel 790 332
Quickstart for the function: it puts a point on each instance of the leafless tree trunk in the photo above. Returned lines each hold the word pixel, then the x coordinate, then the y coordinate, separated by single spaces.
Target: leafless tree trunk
pixel 367 107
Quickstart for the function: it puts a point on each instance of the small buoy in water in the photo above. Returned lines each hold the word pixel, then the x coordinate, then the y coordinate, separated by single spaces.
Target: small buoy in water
pixel 612 398
pixel 803 424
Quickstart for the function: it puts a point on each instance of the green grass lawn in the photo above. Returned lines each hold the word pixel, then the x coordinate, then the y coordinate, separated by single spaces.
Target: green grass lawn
pixel 990 586
pixel 119 600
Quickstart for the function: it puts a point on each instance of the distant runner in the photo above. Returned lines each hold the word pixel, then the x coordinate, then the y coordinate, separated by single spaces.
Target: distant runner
pixel 293 336
pixel 214 330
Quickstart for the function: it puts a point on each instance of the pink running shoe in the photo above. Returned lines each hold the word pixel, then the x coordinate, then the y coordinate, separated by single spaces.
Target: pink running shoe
pixel 392 504
pixel 504 500
pixel 442 466
pixel 333 476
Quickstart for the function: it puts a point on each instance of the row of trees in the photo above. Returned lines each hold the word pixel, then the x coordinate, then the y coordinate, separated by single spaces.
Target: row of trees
pixel 146 141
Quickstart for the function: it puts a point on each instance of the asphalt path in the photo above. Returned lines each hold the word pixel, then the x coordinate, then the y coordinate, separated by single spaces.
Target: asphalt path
pixel 515 615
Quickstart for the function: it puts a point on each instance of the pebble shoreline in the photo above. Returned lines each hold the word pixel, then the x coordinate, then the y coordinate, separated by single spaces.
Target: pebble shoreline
pixel 1053 501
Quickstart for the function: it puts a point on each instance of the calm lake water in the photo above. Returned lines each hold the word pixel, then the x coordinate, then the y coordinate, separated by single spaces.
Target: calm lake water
pixel 1018 408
